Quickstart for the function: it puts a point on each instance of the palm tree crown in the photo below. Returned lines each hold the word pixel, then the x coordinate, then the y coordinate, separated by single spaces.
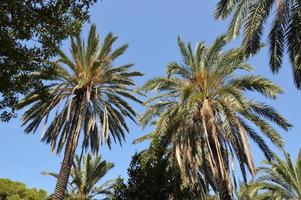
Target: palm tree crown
pixel 87 94
pixel 279 179
pixel 91 78
pixel 245 193
pixel 285 30
pixel 203 115
pixel 85 174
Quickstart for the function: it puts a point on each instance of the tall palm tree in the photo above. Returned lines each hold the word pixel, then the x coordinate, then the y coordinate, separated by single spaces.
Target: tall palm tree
pixel 284 30
pixel 85 174
pixel 202 113
pixel 87 95
pixel 279 179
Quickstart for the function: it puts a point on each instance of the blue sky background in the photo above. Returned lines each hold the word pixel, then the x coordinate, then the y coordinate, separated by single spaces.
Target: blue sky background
pixel 151 28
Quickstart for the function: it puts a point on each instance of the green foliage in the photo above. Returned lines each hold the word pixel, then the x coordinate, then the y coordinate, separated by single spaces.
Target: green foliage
pixel 29 32
pixel 278 179
pixel 119 190
pixel 86 173
pixel 11 190
pixel 87 95
pixel 284 30
pixel 152 178
pixel 90 80
pixel 202 113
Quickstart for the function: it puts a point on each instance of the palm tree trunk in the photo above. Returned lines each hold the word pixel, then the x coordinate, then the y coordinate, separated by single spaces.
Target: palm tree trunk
pixel 62 181
pixel 225 196
pixel 223 191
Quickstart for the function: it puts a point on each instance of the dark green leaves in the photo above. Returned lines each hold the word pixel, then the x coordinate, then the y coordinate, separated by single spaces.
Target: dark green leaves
pixel 284 31
pixel 30 32
pixel 16 190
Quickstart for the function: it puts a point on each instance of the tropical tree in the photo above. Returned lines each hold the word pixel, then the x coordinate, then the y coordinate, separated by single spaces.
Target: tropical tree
pixel 284 33
pixel 85 174
pixel 87 95
pixel 201 111
pixel 246 193
pixel 279 179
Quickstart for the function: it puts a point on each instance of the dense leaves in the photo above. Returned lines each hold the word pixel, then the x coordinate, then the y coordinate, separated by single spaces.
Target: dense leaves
pixel 11 190
pixel 284 30
pixel 152 178
pixel 201 111
pixel 28 32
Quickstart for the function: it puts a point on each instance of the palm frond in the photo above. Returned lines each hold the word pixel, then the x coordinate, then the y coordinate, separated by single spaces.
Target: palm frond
pixel 202 114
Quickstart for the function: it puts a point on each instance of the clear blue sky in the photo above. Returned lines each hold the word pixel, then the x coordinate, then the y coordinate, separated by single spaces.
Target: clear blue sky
pixel 151 28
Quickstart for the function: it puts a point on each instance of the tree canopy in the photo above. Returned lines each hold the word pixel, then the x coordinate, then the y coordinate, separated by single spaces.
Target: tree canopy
pixel 203 115
pixel 12 190
pixel 29 30
pixel 201 109
pixel 151 177
pixel 94 91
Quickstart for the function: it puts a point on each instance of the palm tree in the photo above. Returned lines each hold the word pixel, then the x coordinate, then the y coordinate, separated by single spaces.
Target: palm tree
pixel 284 33
pixel 85 174
pixel 247 193
pixel 87 95
pixel 279 179
pixel 202 113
